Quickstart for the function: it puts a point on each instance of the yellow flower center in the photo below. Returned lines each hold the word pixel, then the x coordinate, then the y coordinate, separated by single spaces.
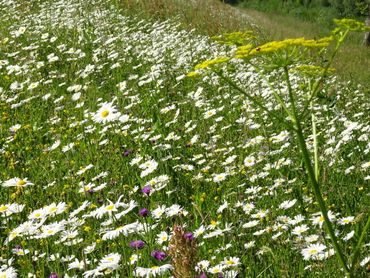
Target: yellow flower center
pixel 21 183
pixel 313 251
pixel 105 113
pixel 154 267
pixel 54 209
pixel 110 207
pixel 3 208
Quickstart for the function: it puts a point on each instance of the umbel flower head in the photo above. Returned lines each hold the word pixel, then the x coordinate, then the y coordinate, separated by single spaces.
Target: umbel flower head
pixel 350 24
pixel 235 38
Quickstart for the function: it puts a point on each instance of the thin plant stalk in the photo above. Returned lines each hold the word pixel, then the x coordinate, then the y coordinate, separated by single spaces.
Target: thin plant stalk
pixel 312 177
pixel 312 167
pixel 315 146
pixel 316 86
pixel 358 247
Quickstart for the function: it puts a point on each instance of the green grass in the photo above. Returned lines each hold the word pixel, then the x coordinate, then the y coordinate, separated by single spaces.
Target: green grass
pixel 272 23
pixel 115 113
pixel 353 60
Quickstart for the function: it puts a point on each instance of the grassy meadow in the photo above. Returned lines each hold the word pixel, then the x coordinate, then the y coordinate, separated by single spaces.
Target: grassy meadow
pixel 134 145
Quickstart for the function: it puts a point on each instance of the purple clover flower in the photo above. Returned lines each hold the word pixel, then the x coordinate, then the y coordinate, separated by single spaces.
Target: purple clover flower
pixel 146 190
pixel 53 275
pixel 189 235
pixel 137 244
pixel 158 255
pixel 127 152
pixel 144 212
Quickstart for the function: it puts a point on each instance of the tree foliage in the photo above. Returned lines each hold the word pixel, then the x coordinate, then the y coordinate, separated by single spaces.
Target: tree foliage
pixel 344 8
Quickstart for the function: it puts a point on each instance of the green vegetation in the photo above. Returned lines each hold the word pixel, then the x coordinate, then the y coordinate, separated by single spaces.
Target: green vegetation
pixel 319 11
pixel 353 60
pixel 211 17
pixel 134 146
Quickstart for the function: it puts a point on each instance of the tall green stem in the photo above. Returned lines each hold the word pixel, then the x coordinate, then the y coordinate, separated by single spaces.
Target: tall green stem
pixel 356 253
pixel 315 146
pixel 254 100
pixel 314 182
pixel 325 71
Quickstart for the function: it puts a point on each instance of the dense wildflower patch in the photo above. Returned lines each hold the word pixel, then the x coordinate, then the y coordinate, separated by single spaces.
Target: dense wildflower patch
pixel 112 159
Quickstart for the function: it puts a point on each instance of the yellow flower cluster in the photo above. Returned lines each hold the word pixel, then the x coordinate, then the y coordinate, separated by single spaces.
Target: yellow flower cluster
pixel 235 38
pixel 350 24
pixel 212 62
pixel 243 51
pixel 247 50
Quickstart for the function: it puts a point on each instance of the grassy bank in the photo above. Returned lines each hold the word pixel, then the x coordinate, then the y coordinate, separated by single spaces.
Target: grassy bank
pixel 212 17
pixel 116 162
pixel 353 60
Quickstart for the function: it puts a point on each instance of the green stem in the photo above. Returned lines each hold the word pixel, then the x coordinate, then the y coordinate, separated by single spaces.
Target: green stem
pixel 279 100
pixel 252 99
pixel 315 146
pixel 314 182
pixel 356 253
pixel 325 71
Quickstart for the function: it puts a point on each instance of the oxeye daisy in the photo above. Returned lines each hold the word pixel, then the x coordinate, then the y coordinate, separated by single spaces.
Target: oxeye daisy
pixel 313 251
pixel 110 261
pixel 162 237
pixel 232 261
pixel 287 204
pixel 106 113
pixel 299 230
pixel 346 220
pixel 209 113
pixel 216 269
pixel 152 271
pixel 17 182
pixel 249 161
pixel 219 177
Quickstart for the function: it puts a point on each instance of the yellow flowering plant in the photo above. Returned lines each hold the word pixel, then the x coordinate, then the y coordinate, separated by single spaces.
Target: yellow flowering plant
pixel 297 55
pixel 235 38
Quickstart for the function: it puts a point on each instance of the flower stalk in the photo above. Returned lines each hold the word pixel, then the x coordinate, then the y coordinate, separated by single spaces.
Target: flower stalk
pixel 313 177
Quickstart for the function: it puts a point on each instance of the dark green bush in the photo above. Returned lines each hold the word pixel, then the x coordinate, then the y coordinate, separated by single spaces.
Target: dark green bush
pixel 341 8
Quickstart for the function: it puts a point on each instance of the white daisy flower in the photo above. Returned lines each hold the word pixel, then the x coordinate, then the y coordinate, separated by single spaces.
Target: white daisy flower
pixel 287 204
pixel 152 271
pixel 313 251
pixel 17 182
pixel 106 113
pixel 249 161
pixel 299 230
pixel 219 177
pixel 162 237
pixel 346 220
